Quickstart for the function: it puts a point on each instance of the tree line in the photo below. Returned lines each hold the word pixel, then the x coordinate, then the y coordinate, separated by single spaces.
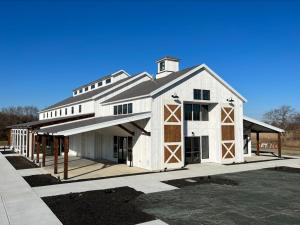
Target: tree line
pixel 285 117
pixel 15 115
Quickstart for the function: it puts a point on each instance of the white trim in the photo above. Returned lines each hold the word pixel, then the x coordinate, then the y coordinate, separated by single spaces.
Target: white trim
pixel 194 70
pixel 96 96
pixel 126 99
pixel 251 120
pixel 103 125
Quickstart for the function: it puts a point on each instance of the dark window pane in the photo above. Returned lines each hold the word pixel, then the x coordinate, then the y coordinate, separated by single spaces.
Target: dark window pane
pixel 72 110
pixel 108 80
pixel 66 111
pixel 196 112
pixel 125 109
pixel 115 110
pixel 197 94
pixel 120 109
pixel 130 108
pixel 187 144
pixel 196 144
pixel 115 147
pixel 80 91
pixel 86 88
pixel 205 147
pixel 188 111
pixel 206 95
pixel 55 113
pixel 60 112
pixel 75 92
pixel 130 144
pixel 100 84
pixel 162 66
pixel 79 109
pixel 93 86
pixel 51 114
pixel 204 112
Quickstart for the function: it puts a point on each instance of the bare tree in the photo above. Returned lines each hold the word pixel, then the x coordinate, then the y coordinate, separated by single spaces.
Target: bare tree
pixel 15 115
pixel 282 117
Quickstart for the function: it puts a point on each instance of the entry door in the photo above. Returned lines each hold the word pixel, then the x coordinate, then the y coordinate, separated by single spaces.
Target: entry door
pixel 192 150
pixel 122 156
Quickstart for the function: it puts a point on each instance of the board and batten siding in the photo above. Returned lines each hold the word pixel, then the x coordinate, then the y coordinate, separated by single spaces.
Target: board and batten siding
pixel 218 95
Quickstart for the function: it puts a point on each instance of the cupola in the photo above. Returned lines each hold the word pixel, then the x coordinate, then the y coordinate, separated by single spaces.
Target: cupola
pixel 166 66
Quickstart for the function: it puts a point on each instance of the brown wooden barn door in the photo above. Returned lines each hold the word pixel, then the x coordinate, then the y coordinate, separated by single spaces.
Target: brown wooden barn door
pixel 227 130
pixel 172 133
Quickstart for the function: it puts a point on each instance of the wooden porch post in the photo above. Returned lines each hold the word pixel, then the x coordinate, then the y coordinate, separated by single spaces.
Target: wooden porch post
pixel 55 153
pixel 257 143
pixel 44 150
pixel 32 145
pixel 27 143
pixel 66 151
pixel 279 145
pixel 38 147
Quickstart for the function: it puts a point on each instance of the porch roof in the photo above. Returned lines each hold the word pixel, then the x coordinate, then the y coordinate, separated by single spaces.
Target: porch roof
pixel 86 125
pixel 260 127
pixel 48 122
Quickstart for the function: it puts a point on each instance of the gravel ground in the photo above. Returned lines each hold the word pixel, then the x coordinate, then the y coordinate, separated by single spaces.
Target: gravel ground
pixel 111 207
pixel 261 197
pixel 20 162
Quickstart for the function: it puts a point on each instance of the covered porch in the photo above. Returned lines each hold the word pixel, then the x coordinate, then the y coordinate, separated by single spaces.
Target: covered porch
pixel 83 169
pixel 92 148
pixel 257 127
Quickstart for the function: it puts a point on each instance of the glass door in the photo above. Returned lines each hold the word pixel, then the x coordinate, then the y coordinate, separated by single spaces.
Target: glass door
pixel 192 150
pixel 122 156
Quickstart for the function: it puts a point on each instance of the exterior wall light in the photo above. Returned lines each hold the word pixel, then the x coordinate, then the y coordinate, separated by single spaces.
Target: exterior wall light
pixel 175 96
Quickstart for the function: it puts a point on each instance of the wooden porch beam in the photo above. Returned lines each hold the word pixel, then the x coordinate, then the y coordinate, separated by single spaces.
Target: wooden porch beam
pixel 55 153
pixel 279 145
pixel 66 157
pixel 141 129
pixel 127 130
pixel 257 143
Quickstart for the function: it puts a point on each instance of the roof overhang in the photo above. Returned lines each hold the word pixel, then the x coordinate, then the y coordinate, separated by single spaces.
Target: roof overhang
pixel 260 127
pixel 48 122
pixel 195 71
pixel 92 124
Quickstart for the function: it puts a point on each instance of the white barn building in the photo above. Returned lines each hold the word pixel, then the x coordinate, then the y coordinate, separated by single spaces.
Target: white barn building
pixel 178 117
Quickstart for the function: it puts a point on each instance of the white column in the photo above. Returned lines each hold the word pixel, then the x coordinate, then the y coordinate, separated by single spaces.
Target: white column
pixel 17 135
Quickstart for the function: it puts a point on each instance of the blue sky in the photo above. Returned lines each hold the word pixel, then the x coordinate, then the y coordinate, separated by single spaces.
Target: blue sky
pixel 47 48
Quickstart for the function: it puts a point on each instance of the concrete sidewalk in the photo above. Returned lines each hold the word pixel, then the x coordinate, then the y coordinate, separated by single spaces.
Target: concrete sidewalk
pixel 149 183
pixel 18 203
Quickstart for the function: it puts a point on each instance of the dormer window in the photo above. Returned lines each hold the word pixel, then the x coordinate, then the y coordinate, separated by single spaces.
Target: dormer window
pixel 80 91
pixel 108 81
pixel 93 86
pixel 75 92
pixel 100 84
pixel 86 88
pixel 162 66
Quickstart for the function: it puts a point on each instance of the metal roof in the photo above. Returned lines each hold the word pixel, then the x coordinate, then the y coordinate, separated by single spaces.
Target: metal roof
pixel 47 122
pixel 91 94
pixel 260 127
pixel 102 79
pixel 94 123
pixel 147 87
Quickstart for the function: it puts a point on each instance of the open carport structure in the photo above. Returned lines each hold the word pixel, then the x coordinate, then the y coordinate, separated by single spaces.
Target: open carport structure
pixel 254 126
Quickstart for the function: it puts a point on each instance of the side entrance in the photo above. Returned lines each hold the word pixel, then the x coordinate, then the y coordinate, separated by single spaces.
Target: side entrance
pixel 123 149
